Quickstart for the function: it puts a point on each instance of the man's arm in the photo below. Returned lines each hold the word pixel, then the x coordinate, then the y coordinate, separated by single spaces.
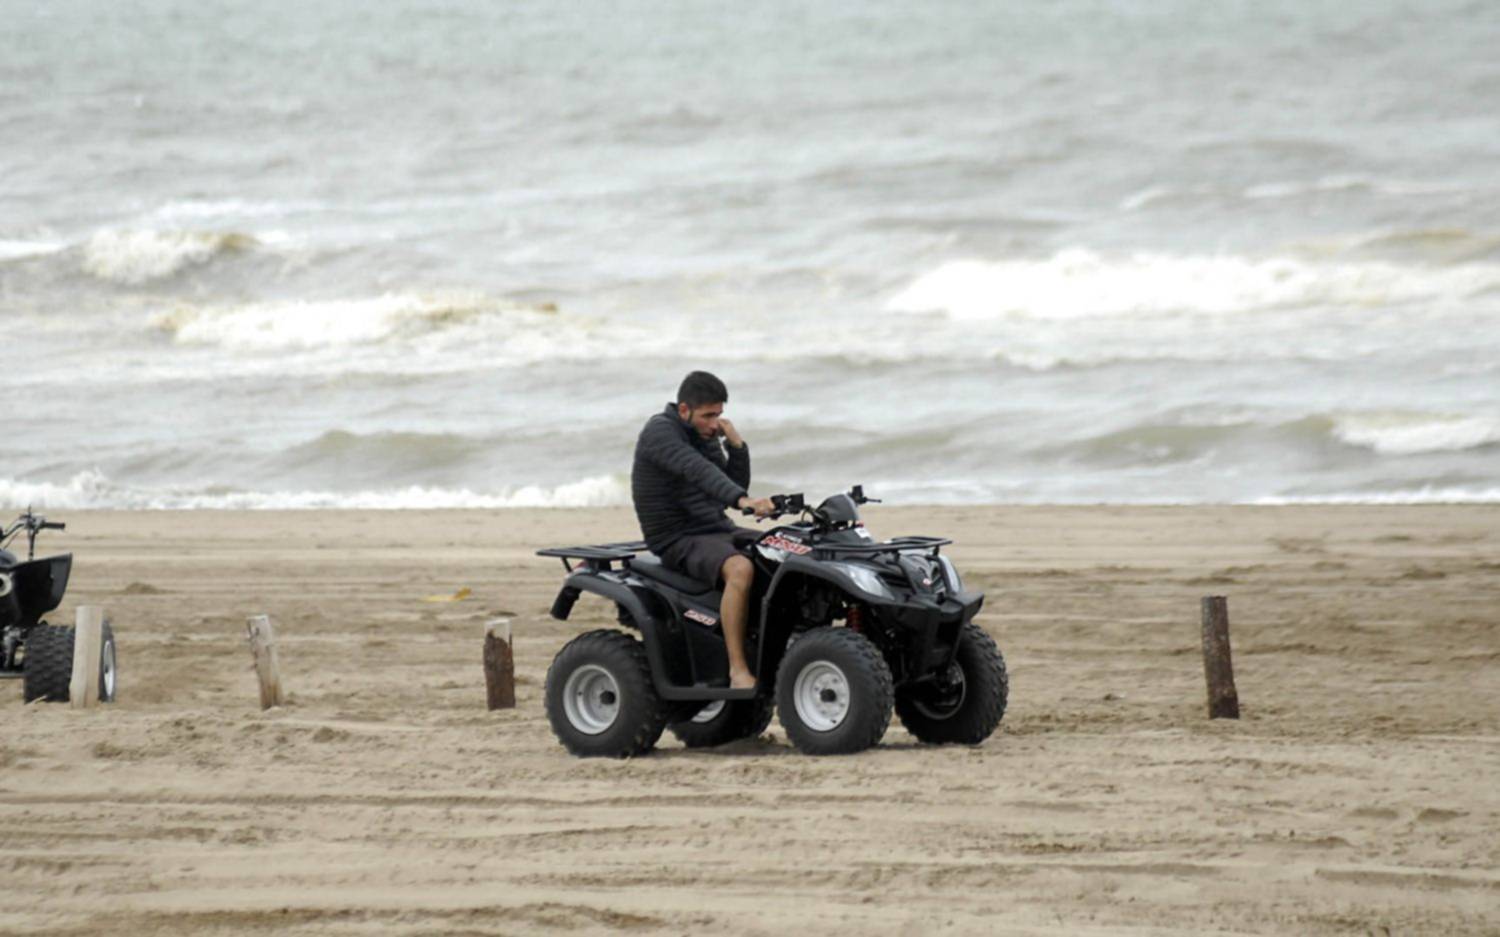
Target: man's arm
pixel 666 449
pixel 739 455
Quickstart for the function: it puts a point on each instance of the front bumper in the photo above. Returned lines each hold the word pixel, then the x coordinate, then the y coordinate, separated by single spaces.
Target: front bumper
pixel 927 632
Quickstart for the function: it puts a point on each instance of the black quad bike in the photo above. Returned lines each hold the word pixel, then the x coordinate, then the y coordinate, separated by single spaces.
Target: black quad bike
pixel 842 628
pixel 39 653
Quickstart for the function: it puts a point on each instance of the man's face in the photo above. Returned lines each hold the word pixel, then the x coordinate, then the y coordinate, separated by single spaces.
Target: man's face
pixel 705 419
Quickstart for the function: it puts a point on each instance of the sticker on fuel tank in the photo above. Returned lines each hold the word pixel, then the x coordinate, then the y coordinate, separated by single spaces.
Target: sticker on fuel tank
pixel 790 546
pixel 699 617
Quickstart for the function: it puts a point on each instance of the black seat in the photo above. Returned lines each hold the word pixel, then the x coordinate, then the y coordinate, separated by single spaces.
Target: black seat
pixel 650 566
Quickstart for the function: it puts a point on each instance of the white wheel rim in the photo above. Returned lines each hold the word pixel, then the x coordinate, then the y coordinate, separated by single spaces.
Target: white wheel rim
pixel 591 699
pixel 107 669
pixel 710 712
pixel 821 696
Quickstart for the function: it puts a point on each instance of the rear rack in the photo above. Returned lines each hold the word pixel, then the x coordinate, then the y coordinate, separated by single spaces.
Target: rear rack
pixel 598 556
pixel 896 545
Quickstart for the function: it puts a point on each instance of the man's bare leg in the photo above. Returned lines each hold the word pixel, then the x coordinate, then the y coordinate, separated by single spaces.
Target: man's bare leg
pixel 733 610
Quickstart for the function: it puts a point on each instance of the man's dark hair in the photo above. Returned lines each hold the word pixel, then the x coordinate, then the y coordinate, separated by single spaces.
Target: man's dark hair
pixel 700 389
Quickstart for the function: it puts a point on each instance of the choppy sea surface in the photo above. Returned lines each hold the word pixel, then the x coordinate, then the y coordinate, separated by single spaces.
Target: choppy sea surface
pixel 451 254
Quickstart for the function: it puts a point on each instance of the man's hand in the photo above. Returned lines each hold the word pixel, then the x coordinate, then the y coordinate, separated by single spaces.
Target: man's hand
pixel 731 435
pixel 763 507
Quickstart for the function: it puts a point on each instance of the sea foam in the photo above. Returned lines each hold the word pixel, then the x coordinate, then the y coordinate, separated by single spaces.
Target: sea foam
pixel 311 324
pixel 1082 284
pixel 93 490
pixel 22 250
pixel 135 257
pixel 1400 433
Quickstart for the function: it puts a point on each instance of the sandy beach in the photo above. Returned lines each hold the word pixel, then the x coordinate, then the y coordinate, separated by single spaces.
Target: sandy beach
pixel 1356 796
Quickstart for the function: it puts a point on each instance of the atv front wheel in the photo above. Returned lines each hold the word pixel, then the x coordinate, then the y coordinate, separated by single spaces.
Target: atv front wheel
pixel 49 664
pixel 722 722
pixel 600 699
pixel 833 692
pixel 964 705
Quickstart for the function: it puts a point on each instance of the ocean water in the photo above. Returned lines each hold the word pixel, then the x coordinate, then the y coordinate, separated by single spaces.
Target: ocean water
pixel 448 254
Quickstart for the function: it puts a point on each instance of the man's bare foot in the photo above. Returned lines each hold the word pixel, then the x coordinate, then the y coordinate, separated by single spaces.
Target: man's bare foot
pixel 742 680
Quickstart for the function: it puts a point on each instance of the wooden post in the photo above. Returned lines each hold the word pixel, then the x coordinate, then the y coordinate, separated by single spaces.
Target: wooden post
pixel 88 641
pixel 1218 670
pixel 267 667
pixel 499 665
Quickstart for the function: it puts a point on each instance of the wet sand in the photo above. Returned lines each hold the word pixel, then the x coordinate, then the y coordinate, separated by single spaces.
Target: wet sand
pixel 1356 795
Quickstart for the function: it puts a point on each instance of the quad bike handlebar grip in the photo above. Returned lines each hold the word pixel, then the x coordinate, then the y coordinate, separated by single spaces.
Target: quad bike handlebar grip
pixel 54 525
pixel 779 507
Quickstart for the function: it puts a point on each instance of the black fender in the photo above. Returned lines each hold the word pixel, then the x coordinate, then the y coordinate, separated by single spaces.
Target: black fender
pixel 930 628
pixel 774 634
pixel 666 646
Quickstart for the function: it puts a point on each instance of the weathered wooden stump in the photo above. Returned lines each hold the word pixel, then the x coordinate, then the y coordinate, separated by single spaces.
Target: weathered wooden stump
pixel 1218 670
pixel 267 667
pixel 88 646
pixel 499 665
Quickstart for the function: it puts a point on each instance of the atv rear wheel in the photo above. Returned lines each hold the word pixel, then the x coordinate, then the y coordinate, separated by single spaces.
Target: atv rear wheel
pixel 600 699
pixel 833 692
pixel 722 722
pixel 967 703
pixel 49 664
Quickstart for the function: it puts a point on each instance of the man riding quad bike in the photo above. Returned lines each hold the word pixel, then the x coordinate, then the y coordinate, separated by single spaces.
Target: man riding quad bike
pixel 817 620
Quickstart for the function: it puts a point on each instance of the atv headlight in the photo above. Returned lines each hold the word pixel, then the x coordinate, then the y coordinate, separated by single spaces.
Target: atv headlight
pixel 950 573
pixel 866 579
pixel 5 585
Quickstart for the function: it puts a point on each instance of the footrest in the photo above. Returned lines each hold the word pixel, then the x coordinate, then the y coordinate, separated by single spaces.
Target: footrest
pixel 705 693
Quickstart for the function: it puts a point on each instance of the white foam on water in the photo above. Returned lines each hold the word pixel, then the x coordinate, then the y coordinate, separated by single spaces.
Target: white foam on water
pixel 84 490
pixel 1401 433
pixel 314 324
pixel 91 489
pixel 21 250
pixel 1082 284
pixel 141 256
pixel 1423 495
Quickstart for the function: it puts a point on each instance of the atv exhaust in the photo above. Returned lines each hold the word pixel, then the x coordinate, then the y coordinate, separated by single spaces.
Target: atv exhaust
pixel 562 606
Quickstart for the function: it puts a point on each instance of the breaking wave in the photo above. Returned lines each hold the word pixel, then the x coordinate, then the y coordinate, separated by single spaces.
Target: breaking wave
pixel 1403 433
pixel 25 250
pixel 1426 494
pixel 1386 433
pixel 92 490
pixel 131 258
pixel 1081 284
pixel 321 324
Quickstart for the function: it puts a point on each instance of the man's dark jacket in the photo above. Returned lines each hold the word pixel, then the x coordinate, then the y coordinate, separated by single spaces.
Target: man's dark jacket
pixel 681 482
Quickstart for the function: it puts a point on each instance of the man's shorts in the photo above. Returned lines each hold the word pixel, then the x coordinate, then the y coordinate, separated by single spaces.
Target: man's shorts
pixel 702 556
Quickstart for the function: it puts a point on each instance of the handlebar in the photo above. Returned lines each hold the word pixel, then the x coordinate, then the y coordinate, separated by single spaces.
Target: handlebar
pixel 32 524
pixel 784 504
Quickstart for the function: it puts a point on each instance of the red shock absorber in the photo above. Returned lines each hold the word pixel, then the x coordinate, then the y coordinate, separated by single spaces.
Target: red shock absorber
pixel 855 619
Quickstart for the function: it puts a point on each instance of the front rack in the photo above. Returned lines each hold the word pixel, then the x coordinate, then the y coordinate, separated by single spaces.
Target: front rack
pixel 597 556
pixel 896 545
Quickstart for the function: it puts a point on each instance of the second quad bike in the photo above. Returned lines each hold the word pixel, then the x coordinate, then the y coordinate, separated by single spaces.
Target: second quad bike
pixel 38 653
pixel 842 630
